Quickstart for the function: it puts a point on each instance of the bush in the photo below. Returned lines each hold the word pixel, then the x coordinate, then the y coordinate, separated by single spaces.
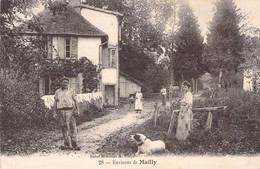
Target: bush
pixel 20 102
pixel 240 133
pixel 242 105
pixel 90 111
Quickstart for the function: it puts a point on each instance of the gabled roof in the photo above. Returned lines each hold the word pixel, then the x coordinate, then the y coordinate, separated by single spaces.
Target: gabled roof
pixel 131 78
pixel 99 9
pixel 69 22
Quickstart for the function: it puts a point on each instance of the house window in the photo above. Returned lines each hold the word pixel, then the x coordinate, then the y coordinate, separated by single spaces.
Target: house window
pixel 67 48
pixel 112 57
pixel 45 85
pixel 109 57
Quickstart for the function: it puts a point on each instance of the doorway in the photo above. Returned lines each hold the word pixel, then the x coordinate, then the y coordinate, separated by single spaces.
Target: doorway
pixel 109 95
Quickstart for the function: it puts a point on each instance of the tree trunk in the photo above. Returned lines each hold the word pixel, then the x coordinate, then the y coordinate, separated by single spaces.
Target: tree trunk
pixel 219 79
pixel 171 61
pixel 171 87
pixel 196 86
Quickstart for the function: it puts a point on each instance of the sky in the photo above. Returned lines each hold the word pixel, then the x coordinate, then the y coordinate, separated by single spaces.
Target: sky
pixel 203 10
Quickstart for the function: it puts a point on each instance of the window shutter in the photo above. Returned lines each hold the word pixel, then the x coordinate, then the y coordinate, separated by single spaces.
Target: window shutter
pixel 74 47
pixel 105 57
pixel 41 84
pixel 113 58
pixel 61 47
pixel 49 46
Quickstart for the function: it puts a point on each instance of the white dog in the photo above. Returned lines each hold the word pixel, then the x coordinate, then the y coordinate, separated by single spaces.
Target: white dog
pixel 146 146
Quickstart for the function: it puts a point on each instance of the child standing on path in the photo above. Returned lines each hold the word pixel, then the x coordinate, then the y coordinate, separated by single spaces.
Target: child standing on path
pixel 163 93
pixel 138 102
pixel 131 100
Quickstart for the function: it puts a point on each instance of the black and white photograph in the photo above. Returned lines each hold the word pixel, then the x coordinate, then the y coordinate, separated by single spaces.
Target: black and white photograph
pixel 171 84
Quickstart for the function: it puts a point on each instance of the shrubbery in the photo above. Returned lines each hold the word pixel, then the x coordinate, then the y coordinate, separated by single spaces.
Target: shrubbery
pixel 242 105
pixel 240 131
pixel 20 101
pixel 89 112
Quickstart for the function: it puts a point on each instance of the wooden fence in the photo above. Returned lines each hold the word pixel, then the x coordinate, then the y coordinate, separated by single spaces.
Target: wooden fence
pixel 209 110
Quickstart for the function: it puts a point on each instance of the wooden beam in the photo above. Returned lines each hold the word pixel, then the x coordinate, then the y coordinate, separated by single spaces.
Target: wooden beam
pixel 155 114
pixel 171 123
pixel 209 121
pixel 206 109
pixel 222 108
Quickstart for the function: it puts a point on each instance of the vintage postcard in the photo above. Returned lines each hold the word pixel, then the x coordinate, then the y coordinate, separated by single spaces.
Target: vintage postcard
pixel 171 84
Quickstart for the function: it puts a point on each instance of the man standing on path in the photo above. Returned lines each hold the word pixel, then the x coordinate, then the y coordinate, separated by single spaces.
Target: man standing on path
pixel 67 109
pixel 163 93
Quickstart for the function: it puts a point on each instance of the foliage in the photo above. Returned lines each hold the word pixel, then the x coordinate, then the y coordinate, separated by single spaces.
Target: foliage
pixel 23 61
pixel 234 132
pixel 154 78
pixel 251 55
pixel 140 31
pixel 241 119
pixel 225 41
pixel 57 68
pixel 90 113
pixel 20 101
pixel 20 56
pixel 133 62
pixel 29 139
pixel 189 46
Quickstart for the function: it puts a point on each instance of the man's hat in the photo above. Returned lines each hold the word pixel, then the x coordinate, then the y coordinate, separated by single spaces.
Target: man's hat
pixel 64 78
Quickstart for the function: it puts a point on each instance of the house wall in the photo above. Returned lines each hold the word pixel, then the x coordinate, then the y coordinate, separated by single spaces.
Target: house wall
pixel 127 86
pixel 89 47
pixel 108 23
pixel 110 78
pixel 86 46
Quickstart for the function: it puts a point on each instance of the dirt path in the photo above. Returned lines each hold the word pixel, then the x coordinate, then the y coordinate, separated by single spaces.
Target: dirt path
pixel 92 134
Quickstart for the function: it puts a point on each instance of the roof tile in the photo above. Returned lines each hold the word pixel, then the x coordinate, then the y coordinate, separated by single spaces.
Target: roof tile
pixel 69 22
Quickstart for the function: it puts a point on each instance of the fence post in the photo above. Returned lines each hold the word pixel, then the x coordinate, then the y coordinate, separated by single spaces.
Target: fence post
pixel 171 123
pixel 209 121
pixel 155 114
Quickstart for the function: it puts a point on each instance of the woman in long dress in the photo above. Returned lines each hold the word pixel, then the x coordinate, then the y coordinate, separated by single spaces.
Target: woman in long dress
pixel 138 102
pixel 185 116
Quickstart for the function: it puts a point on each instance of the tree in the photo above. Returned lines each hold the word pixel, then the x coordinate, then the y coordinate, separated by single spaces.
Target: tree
pixel 225 40
pixel 251 55
pixel 154 78
pixel 18 66
pixel 134 62
pixel 188 46
pixel 139 32
pixel 23 60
